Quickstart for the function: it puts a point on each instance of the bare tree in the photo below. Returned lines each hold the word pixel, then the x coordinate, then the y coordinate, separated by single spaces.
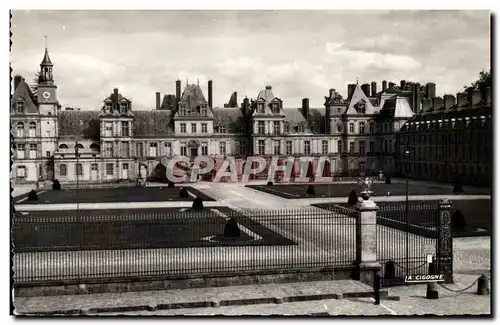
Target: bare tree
pixel 34 85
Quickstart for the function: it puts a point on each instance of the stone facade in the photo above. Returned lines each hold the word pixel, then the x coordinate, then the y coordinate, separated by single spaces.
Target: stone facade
pixel 357 133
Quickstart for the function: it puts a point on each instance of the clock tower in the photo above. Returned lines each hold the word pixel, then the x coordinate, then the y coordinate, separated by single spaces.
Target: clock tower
pixel 47 90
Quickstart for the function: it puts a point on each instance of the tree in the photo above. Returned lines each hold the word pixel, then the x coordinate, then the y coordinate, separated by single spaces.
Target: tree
pixel 483 81
pixel 93 130
pixel 34 85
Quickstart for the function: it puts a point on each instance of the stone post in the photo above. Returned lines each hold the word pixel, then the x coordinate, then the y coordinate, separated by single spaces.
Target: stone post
pixel 366 241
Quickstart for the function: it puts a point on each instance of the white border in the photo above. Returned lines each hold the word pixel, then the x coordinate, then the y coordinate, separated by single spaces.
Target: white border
pixel 193 4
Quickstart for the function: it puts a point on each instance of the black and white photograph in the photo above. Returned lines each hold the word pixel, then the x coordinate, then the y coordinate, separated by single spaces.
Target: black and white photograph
pixel 317 163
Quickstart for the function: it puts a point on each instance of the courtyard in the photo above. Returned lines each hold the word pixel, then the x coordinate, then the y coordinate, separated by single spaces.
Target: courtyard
pixel 132 229
pixel 111 195
pixel 298 191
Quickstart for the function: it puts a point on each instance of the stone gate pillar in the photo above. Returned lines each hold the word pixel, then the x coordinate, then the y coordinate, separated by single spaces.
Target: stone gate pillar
pixel 444 249
pixel 366 241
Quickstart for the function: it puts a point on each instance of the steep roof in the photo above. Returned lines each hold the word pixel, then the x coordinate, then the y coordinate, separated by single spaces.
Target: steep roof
pixel 397 107
pixel 23 93
pixel 75 123
pixel 359 96
pixel 231 117
pixel 193 95
pixel 46 59
pixel 152 123
pixel 295 116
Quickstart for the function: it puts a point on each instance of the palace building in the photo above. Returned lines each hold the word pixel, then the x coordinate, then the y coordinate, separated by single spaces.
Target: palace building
pixel 358 134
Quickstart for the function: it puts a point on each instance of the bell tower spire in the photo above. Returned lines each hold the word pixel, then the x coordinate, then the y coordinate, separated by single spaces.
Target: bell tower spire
pixel 46 67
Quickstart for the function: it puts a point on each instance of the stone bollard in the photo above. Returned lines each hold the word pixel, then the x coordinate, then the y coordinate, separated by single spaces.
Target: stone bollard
pixel 483 285
pixel 376 288
pixel 432 292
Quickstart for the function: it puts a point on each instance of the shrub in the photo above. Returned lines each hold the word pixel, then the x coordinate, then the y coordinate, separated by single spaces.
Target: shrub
pixel 56 186
pixel 231 229
pixel 269 183
pixel 32 196
pixel 197 203
pixel 183 193
pixel 353 198
pixel 458 221
pixel 388 180
pixel 310 190
pixel 458 187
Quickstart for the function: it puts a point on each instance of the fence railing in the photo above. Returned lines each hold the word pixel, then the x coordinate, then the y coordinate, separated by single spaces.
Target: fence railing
pixel 88 246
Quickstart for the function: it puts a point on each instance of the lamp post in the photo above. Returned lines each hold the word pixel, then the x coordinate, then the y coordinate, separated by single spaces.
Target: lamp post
pixel 407 212
pixel 77 154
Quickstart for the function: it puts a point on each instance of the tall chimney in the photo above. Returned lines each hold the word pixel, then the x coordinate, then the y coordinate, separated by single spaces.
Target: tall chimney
pixel 366 89
pixel 487 95
pixel 350 90
pixel 210 98
pixel 391 84
pixel 437 103
pixel 475 97
pixel 17 81
pixel 178 91
pixel 418 100
pixel 305 106
pixel 449 101
pixel 402 84
pixel 431 90
pixel 115 94
pixel 384 85
pixel 158 100
pixel 331 92
pixel 427 105
pixel 374 88
pixel 461 99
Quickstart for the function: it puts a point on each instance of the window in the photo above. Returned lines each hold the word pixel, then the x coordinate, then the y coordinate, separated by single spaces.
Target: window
pixel 125 149
pixel 63 170
pixel 222 148
pixel 391 127
pixel 20 107
pixel 222 129
pixel 139 150
pixel 182 111
pixel 307 147
pixel 289 148
pixel 125 129
pixel 183 127
pixel 203 110
pixel 93 167
pixel 372 146
pixel 276 127
pixel 361 127
pixel 153 149
pixel 339 127
pixel 193 128
pixel 47 154
pixel 362 108
pixel 351 147
pixel 361 147
pixel 286 128
pixel 168 148
pixel 300 128
pixel 125 166
pixel 33 150
pixel 183 150
pixel 108 149
pixel 372 127
pixel 324 147
pixel 63 146
pixel 339 146
pixel 339 111
pixel 204 128
pixel 385 145
pixel 314 127
pixel 123 108
pixel 79 170
pixel 261 127
pixel 32 130
pixel 260 108
pixel 351 127
pixel 261 148
pixel 243 148
pixel 20 129
pixel 47 134
pixel 204 150
pixel 275 108
pixel 109 169
pixel 21 172
pixel 78 146
pixel 108 129
pixel 277 147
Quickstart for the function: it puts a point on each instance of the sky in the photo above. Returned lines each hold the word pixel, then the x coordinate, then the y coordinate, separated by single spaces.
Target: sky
pixel 299 53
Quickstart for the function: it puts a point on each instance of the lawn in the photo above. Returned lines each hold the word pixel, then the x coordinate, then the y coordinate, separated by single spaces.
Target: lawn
pixel 297 191
pixel 120 194
pixel 423 218
pixel 129 229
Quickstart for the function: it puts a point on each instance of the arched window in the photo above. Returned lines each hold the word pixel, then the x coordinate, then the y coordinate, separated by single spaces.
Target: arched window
pixel 32 129
pixel 95 147
pixel 63 146
pixel 20 129
pixel 78 146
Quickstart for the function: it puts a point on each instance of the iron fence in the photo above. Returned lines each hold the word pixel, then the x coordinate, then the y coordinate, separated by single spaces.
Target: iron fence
pixel 50 248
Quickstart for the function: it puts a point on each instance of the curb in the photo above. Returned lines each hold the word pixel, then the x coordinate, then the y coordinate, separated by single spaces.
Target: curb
pixel 384 295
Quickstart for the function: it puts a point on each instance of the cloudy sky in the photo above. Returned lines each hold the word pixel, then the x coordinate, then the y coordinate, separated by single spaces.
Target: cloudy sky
pixel 300 53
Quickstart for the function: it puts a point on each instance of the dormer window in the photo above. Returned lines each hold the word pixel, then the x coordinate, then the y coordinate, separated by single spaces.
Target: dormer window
pixel 222 129
pixel 123 108
pixel 182 111
pixel 339 111
pixel 203 110
pixel 108 108
pixel 260 108
pixel 361 108
pixel 300 128
pixel 314 127
pixel 275 108
pixel 287 128
pixel 20 107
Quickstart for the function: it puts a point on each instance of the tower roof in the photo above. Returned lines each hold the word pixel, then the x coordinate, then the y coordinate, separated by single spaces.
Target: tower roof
pixel 46 59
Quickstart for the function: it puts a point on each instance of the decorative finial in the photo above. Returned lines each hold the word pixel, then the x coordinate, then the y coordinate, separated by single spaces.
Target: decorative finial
pixel 198 81
pixel 45 41
pixel 357 80
pixel 187 81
